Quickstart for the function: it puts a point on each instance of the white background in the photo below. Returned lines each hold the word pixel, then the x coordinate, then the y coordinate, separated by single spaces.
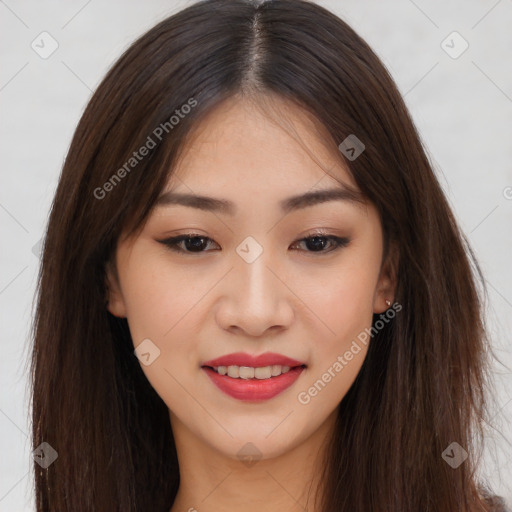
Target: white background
pixel 462 107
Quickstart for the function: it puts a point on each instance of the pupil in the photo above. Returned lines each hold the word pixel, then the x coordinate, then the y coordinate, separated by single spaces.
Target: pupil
pixel 195 243
pixel 316 242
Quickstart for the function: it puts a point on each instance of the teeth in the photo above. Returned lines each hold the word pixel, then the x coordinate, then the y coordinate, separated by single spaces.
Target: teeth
pixel 248 372
pixel 234 371
pixel 263 373
pixel 276 370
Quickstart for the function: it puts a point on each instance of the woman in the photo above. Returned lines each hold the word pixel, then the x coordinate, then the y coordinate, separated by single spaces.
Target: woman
pixel 253 292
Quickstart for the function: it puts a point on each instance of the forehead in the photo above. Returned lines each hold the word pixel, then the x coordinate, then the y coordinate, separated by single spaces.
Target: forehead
pixel 266 146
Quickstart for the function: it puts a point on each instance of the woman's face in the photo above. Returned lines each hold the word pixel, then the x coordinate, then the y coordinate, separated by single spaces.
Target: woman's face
pixel 252 280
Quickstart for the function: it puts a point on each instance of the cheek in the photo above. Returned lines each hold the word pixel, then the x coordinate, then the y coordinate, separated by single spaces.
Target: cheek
pixel 161 307
pixel 343 300
pixel 345 312
pixel 158 298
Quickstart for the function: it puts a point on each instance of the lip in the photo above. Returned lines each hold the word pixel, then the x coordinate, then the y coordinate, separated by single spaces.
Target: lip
pixel 244 359
pixel 254 390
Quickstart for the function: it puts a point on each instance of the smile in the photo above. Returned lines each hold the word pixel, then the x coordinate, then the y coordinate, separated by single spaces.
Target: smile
pixel 253 384
pixel 249 372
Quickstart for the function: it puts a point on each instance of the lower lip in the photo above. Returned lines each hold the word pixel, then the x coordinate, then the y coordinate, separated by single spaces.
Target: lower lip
pixel 254 390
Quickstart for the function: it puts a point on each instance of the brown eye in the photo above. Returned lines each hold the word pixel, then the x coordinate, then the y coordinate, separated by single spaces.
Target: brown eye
pixel 189 243
pixel 318 242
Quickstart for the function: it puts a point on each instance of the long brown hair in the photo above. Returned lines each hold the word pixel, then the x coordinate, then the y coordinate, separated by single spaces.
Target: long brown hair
pixel 422 384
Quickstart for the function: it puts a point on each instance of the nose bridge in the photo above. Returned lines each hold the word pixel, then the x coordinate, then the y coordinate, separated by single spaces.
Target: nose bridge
pixel 256 299
pixel 258 283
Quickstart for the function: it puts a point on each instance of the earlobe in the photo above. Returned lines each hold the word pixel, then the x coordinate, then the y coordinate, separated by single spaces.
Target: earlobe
pixel 114 301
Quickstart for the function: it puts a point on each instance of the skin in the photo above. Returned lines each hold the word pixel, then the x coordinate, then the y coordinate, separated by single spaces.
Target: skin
pixel 291 300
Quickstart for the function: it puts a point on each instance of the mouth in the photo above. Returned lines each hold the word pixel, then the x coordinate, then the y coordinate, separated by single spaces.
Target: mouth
pixel 251 372
pixel 253 384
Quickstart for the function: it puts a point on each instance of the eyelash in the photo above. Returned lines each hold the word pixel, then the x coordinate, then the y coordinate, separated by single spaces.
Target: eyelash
pixel 172 243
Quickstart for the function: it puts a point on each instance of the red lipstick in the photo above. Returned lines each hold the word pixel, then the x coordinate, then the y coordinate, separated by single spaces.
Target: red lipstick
pixel 243 359
pixel 253 389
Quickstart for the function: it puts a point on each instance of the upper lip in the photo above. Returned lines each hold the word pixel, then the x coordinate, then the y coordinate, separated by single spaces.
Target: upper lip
pixel 243 359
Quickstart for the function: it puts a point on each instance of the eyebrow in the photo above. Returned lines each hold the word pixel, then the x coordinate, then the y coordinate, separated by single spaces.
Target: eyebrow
pixel 287 205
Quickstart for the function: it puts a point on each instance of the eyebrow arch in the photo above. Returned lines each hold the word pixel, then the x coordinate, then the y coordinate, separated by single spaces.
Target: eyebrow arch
pixel 287 205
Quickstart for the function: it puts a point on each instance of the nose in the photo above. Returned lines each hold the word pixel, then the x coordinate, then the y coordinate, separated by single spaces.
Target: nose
pixel 255 298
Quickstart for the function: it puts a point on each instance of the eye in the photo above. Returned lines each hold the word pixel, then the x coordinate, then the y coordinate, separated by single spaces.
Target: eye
pixel 315 242
pixel 191 242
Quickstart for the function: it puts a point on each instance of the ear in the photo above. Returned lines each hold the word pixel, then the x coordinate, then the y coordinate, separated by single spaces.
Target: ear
pixel 386 285
pixel 114 299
